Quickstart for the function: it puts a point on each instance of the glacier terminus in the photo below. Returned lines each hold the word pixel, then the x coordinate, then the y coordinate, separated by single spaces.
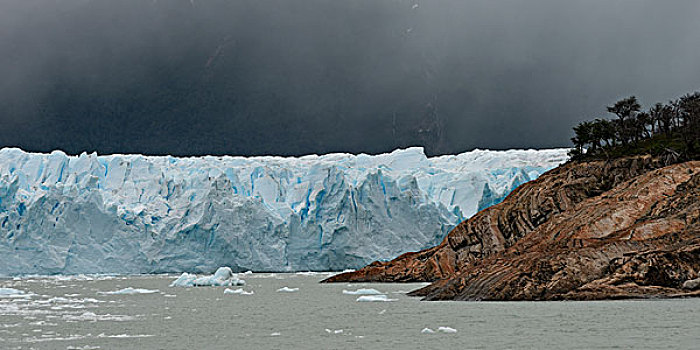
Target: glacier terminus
pixel 63 214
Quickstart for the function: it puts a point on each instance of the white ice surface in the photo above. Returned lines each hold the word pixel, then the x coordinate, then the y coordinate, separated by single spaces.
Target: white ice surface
pixel 64 214
pixel 239 291
pixel 130 291
pixel 362 291
pixel 223 277
pixel 447 330
pixel 287 290
pixel 372 298
pixel 10 291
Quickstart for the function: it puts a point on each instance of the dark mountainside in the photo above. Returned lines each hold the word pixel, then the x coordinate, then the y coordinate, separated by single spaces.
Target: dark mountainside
pixel 623 227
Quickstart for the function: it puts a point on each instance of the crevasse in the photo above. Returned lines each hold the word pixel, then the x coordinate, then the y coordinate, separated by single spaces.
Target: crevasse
pixel 64 214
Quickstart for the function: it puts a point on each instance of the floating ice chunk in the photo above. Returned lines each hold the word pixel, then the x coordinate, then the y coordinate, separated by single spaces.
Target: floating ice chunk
pixel 130 291
pixel 123 336
pixel 447 330
pixel 370 298
pixel 11 291
pixel 185 280
pixel 92 317
pixel 287 290
pixel 382 312
pixel 427 331
pixel 275 334
pixel 309 273
pixel 238 291
pixel 223 277
pixel 362 291
pixel 247 273
pixel 337 331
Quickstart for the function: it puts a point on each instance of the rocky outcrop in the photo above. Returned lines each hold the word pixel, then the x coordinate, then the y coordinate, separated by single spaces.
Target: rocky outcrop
pixel 619 229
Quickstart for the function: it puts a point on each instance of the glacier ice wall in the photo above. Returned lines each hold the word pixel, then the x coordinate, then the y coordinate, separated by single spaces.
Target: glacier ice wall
pixel 143 214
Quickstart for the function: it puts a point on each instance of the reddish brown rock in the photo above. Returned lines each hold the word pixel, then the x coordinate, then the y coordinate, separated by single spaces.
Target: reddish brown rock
pixel 620 229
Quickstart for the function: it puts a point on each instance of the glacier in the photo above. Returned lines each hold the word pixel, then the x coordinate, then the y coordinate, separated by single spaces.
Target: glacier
pixel 92 213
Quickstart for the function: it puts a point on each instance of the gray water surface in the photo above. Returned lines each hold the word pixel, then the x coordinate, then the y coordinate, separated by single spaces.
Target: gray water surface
pixel 72 313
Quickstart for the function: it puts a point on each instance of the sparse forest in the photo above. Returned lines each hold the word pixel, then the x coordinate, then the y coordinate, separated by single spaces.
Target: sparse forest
pixel 671 130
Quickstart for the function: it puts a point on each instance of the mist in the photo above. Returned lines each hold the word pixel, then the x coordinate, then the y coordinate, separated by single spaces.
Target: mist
pixel 292 77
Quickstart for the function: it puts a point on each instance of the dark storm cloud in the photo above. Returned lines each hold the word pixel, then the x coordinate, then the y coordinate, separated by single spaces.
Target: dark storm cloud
pixel 315 76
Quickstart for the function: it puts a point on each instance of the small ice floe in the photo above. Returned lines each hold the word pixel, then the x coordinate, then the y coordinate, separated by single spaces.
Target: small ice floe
pixel 370 298
pixel 130 291
pixel 62 300
pixel 362 291
pixel 307 273
pixel 275 334
pixel 337 331
pixel 124 336
pixel 447 330
pixel 382 312
pixel 92 317
pixel 11 292
pixel 169 295
pixel 223 277
pixel 287 290
pixel 80 277
pixel 427 331
pixel 415 6
pixel 247 273
pixel 238 291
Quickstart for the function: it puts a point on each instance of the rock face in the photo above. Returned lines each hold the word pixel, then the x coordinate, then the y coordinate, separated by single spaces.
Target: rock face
pixel 620 229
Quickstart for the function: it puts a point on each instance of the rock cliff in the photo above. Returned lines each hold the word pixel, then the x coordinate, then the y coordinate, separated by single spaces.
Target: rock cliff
pixel 603 229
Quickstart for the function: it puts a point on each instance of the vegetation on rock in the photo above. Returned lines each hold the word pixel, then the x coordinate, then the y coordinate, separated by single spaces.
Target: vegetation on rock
pixel 670 130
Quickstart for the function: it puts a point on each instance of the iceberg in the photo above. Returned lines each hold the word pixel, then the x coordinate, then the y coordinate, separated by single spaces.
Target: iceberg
pixel 130 291
pixel 447 330
pixel 223 277
pixel 362 291
pixel 127 214
pixel 11 291
pixel 372 298
pixel 287 290
pixel 239 291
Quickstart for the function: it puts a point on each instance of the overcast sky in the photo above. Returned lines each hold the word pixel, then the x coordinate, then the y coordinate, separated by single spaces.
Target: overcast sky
pixel 294 77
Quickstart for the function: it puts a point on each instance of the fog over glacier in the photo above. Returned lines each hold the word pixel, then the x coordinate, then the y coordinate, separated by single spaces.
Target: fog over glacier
pixel 143 214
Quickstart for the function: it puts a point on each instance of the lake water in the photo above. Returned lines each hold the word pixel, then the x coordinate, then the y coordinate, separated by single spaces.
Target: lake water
pixel 74 313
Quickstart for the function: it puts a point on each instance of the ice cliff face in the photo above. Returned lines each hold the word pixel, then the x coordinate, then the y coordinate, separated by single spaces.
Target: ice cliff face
pixel 142 214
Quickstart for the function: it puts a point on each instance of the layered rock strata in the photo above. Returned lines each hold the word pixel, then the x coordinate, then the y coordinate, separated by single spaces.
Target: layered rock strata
pixel 619 229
